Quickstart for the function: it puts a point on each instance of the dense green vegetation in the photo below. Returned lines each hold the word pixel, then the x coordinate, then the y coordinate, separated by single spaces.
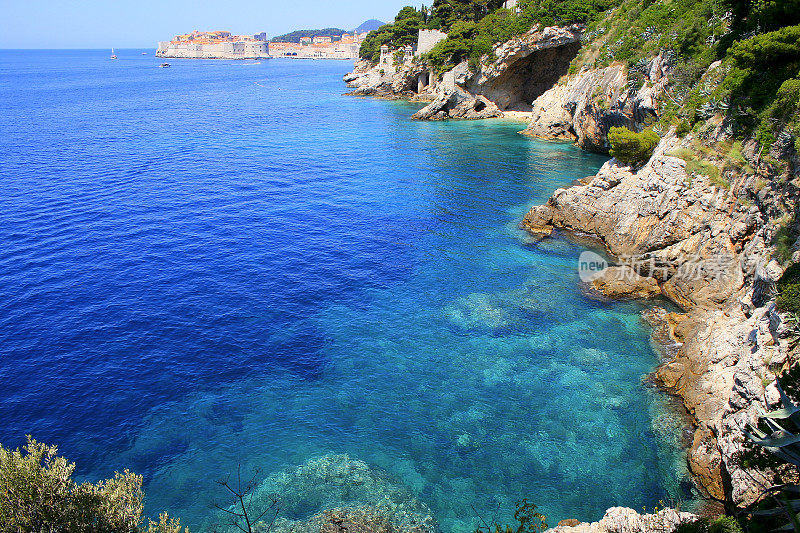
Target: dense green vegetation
pixel 399 33
pixel 755 89
pixel 723 524
pixel 630 147
pixel 37 493
pixel 295 36
pixel 764 82
pixel 475 37
pixel 789 290
pixel 474 26
pixel 784 239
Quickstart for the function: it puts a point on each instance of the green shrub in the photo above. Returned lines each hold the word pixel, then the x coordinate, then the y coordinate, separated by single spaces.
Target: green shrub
pixel 528 518
pixel 788 299
pixel 706 168
pixel 790 276
pixel 684 153
pixel 788 288
pixel 683 128
pixel 784 239
pixel 723 524
pixel 37 493
pixel 632 148
pixel 737 159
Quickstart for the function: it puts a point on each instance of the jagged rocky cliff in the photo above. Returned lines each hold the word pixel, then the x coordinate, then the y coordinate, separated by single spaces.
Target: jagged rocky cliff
pixel 704 242
pixel 707 249
pixel 589 104
pixel 528 74
pixel 523 69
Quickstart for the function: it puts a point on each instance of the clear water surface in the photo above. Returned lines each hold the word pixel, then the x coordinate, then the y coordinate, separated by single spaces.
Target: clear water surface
pixel 230 263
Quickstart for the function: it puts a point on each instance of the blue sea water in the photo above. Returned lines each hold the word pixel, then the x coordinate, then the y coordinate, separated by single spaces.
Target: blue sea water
pixel 230 263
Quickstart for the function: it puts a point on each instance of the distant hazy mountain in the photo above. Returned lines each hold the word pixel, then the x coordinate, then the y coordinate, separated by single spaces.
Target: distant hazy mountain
pixel 295 36
pixel 371 24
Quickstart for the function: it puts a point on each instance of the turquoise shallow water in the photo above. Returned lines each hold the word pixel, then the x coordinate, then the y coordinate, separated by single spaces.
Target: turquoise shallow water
pixel 226 264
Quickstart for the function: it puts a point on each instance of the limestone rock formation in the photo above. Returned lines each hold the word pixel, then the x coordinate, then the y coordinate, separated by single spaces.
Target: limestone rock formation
pixel 458 104
pixel 718 373
pixel 593 101
pixel 521 70
pixel 526 67
pixel 396 81
pixel 655 220
pixel 624 282
pixel 625 520
pixel 708 251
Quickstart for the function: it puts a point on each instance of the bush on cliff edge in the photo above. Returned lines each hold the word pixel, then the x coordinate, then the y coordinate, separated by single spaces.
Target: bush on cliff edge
pixel 632 148
pixel 723 524
pixel 37 493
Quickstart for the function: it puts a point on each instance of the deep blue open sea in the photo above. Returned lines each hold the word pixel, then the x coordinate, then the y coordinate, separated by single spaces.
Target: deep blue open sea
pixel 229 263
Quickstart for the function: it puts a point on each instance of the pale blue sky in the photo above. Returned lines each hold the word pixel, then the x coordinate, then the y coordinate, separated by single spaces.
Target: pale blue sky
pixel 142 23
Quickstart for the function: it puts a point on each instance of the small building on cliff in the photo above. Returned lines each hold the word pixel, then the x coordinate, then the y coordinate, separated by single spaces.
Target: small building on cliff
pixel 427 39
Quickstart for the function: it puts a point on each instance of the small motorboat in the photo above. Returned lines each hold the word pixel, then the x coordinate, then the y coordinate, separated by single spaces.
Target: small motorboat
pixel 165 65
pixel 113 55
pixel 144 53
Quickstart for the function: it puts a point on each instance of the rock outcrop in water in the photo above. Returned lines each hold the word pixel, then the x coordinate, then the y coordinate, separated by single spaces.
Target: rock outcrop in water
pixel 703 242
pixel 454 101
pixel 334 491
pixel 402 81
pixel 522 69
pixel 656 219
pixel 708 251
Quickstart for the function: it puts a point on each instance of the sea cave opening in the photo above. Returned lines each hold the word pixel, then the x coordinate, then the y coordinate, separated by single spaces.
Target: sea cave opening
pixel 529 77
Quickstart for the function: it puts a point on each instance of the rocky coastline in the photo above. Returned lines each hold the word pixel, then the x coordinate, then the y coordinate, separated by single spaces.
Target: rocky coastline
pixel 708 252
pixel 703 242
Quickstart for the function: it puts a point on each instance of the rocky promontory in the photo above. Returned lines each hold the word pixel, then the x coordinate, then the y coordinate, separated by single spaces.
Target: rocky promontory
pixel 521 70
pixel 694 223
pixel 708 249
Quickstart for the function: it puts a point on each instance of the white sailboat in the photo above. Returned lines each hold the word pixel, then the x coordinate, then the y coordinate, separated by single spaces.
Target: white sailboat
pixel 113 55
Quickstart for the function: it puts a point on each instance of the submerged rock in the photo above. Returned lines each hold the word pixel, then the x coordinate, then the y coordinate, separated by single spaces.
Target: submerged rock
pixel 346 520
pixel 329 491
pixel 479 311
pixel 499 313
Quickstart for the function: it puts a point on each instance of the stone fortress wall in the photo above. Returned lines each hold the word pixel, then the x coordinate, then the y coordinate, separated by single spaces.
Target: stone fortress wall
pixel 222 50
pixel 427 39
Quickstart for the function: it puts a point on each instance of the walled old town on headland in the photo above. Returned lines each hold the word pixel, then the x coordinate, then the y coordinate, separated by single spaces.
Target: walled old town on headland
pixel 224 45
